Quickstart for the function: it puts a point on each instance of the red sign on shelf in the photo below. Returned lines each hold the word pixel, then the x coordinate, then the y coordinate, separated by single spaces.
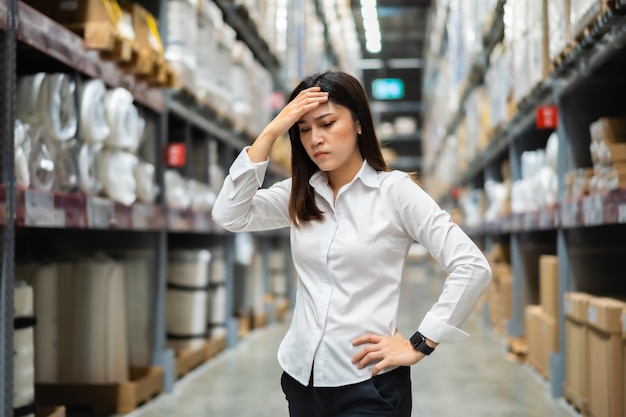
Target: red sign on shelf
pixel 547 117
pixel 175 155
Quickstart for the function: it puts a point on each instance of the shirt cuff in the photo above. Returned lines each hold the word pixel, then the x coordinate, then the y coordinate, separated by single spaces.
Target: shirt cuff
pixel 440 331
pixel 243 164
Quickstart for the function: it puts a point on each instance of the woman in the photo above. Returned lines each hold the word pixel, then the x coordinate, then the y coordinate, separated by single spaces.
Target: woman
pixel 352 221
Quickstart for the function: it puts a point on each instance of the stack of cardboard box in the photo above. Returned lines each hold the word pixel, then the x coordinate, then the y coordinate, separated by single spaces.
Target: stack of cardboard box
pixel 595 353
pixel 608 153
pixel 500 293
pixel 541 320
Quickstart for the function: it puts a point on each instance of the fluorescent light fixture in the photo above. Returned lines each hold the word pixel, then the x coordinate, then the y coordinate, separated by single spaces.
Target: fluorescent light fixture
pixel 370 24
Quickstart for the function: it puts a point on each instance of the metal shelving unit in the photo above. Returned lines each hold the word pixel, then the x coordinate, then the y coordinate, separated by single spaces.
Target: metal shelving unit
pixel 586 83
pixel 157 224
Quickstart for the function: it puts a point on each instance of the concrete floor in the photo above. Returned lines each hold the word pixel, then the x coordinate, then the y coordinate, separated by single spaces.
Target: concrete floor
pixel 471 379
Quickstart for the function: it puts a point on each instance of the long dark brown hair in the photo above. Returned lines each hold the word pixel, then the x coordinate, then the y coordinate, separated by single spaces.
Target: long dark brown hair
pixel 344 90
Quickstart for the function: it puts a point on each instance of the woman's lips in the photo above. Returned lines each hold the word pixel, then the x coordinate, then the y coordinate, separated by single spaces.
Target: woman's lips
pixel 320 154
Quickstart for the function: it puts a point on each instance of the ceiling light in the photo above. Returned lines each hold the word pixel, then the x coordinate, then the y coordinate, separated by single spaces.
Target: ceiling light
pixel 370 24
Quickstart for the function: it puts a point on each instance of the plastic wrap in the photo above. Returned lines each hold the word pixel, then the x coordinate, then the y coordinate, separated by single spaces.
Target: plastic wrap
pixel 147 189
pixel 28 89
pixel 66 166
pixel 126 124
pixel 176 192
pixel 22 151
pixel 115 170
pixel 40 161
pixel 94 127
pixel 202 198
pixel 57 106
pixel 87 161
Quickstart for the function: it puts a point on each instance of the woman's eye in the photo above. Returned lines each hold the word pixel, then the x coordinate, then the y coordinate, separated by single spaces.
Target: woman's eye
pixel 328 124
pixel 304 129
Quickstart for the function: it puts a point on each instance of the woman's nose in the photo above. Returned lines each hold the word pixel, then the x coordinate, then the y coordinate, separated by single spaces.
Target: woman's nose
pixel 316 136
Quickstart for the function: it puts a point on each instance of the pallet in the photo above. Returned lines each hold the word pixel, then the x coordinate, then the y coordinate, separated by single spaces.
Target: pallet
pixel 103 37
pixel 123 397
pixel 517 349
pixel 575 400
pixel 189 359
pixel 214 346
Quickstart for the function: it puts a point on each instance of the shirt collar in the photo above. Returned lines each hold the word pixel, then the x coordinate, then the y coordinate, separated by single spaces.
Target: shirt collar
pixel 367 175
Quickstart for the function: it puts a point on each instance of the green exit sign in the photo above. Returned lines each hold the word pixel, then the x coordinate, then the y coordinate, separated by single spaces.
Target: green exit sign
pixel 388 89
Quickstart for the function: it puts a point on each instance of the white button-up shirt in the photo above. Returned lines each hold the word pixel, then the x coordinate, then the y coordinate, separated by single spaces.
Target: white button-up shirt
pixel 350 264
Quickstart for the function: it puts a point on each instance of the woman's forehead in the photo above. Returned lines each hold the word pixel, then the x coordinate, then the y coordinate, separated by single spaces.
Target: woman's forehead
pixel 324 109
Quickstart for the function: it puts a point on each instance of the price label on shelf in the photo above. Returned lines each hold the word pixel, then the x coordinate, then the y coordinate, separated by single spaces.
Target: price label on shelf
pixel 142 213
pixel 100 213
pixel 39 210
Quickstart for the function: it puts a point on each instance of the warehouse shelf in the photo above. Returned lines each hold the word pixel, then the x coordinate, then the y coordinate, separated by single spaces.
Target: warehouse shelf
pixel 546 218
pixel 51 209
pixel 594 210
pixel 51 38
pixel 236 16
pixel 187 109
pixel 474 78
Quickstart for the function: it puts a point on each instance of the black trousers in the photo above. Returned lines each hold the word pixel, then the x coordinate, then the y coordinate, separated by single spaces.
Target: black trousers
pixel 387 395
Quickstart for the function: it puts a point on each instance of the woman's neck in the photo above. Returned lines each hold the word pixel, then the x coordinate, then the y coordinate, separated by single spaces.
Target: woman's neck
pixel 340 177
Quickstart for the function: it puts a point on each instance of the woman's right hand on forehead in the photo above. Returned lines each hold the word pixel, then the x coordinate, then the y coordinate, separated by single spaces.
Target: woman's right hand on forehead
pixel 304 102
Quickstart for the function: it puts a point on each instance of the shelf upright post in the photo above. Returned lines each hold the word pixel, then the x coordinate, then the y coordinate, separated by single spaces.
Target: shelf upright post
pixel 557 359
pixel 161 356
pixel 232 325
pixel 515 326
pixel 7 167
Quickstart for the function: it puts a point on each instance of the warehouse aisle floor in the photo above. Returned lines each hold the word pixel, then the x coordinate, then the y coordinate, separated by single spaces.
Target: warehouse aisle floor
pixel 470 379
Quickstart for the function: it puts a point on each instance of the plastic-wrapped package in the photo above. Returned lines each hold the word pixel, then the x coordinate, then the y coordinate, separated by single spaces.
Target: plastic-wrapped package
pixel 558 26
pixel 87 161
pixel 22 151
pixel 66 166
pixel 115 169
pixel 94 127
pixel 126 125
pixel 202 198
pixel 40 160
pixel 181 40
pixel 176 192
pixel 28 89
pixel 147 189
pixel 57 106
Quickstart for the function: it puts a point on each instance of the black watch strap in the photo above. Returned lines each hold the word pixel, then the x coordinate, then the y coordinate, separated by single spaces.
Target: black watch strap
pixel 418 341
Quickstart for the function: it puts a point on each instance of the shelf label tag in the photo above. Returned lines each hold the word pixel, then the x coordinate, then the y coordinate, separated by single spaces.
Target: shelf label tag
pixel 100 213
pixel 39 210
pixel 547 117
pixel 141 215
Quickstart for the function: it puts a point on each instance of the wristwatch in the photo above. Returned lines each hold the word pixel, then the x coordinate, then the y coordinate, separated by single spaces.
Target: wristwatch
pixel 418 341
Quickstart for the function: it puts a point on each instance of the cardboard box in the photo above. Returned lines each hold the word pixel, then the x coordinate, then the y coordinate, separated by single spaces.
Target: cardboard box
pixel 605 355
pixel 531 315
pixel 576 383
pixel 605 313
pixel 549 285
pixel 608 129
pixel 575 306
pixel 548 341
